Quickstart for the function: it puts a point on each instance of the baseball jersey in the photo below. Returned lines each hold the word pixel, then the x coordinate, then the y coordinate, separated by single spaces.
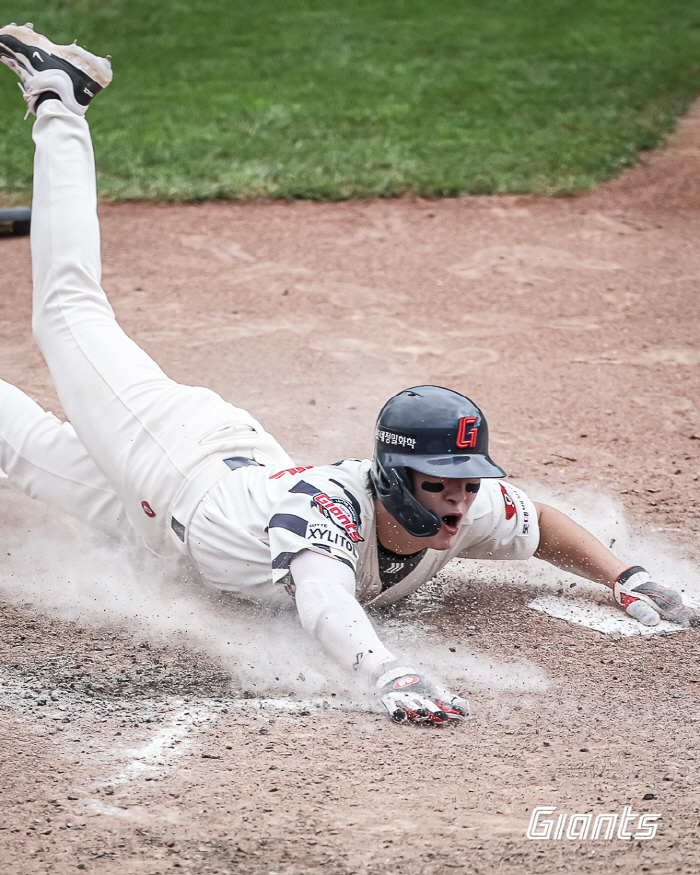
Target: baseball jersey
pixel 250 525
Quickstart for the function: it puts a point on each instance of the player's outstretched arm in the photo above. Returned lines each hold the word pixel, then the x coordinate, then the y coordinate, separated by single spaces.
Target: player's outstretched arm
pixel 328 610
pixel 569 546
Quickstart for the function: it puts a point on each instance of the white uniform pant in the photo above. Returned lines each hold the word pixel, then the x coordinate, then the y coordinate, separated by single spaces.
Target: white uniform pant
pixel 136 438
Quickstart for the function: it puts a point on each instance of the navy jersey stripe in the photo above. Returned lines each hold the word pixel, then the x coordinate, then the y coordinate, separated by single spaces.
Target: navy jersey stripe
pixel 289 521
pixel 351 498
pixel 305 488
pixel 323 547
pixel 345 562
pixel 282 560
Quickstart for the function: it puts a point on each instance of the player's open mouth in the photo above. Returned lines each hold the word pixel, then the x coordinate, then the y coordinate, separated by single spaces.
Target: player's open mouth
pixel 450 522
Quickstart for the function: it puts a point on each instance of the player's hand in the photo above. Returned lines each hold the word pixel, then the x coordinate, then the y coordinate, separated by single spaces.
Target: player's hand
pixel 410 697
pixel 646 601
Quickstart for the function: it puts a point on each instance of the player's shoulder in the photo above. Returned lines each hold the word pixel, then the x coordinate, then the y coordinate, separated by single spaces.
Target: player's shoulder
pixel 345 466
pixel 350 470
pixel 330 506
pixel 348 478
pixel 502 524
pixel 488 499
pixel 500 498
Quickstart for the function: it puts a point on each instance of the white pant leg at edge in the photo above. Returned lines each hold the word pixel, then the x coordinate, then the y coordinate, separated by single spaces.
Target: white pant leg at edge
pixel 45 459
pixel 143 430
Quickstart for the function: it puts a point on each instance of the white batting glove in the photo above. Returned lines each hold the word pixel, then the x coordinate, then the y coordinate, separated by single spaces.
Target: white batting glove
pixel 410 697
pixel 646 601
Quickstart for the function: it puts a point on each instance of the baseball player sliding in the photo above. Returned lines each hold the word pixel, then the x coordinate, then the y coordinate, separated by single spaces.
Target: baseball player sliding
pixel 182 470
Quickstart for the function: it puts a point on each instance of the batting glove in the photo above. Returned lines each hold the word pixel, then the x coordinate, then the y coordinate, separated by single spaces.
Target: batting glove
pixel 646 601
pixel 410 697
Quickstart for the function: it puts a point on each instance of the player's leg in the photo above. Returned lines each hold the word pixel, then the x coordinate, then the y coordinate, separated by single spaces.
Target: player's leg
pixel 110 389
pixel 144 431
pixel 46 460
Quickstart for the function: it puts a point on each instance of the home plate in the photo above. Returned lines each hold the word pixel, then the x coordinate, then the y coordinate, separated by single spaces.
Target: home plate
pixel 603 618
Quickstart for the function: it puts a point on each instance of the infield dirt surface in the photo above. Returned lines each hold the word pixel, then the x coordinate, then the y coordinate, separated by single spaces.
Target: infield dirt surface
pixel 148 727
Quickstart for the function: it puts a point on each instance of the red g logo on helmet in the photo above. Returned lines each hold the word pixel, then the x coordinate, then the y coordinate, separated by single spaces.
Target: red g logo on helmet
pixel 466 435
pixel 406 681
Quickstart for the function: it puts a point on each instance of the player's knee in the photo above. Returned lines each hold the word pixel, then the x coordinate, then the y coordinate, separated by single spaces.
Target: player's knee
pixel 39 327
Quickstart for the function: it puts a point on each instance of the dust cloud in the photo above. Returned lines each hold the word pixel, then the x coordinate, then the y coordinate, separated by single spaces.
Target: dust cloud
pixel 605 517
pixel 56 567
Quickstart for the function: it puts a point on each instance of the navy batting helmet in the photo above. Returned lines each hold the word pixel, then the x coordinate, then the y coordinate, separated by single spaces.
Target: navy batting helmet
pixel 432 430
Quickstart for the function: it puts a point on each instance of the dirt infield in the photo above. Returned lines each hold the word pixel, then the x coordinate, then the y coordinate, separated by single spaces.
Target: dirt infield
pixel 150 727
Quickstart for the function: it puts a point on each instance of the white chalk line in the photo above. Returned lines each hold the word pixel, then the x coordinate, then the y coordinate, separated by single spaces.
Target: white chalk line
pixel 170 742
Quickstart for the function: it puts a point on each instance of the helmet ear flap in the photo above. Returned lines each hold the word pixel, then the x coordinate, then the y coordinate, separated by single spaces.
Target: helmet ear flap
pixel 395 491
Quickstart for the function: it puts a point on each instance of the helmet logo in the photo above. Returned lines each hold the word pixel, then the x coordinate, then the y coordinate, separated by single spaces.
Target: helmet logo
pixel 466 436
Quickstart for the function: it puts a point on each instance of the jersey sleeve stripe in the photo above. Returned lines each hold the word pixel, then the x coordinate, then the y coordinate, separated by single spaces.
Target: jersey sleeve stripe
pixel 351 498
pixel 328 550
pixel 283 560
pixel 295 524
pixel 305 488
pixel 344 561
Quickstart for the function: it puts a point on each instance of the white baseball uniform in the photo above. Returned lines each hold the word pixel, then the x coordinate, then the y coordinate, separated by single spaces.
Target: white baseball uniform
pixel 180 468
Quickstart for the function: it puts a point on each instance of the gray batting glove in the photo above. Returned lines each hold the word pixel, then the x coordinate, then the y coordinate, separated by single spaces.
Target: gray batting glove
pixel 410 697
pixel 646 601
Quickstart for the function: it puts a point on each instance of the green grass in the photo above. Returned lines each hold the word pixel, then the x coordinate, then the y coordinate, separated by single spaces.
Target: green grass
pixel 321 99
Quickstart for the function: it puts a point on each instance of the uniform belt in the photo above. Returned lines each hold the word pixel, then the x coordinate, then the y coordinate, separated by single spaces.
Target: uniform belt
pixel 196 487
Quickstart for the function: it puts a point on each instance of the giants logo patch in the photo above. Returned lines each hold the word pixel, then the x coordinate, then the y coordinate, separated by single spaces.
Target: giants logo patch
pixel 510 504
pixel 339 512
pixel 466 434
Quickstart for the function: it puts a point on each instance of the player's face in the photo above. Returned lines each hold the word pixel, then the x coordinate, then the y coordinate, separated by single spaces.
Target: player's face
pixel 449 498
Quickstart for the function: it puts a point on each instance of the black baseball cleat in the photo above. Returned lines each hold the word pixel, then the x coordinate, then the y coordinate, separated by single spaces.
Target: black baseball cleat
pixel 72 74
